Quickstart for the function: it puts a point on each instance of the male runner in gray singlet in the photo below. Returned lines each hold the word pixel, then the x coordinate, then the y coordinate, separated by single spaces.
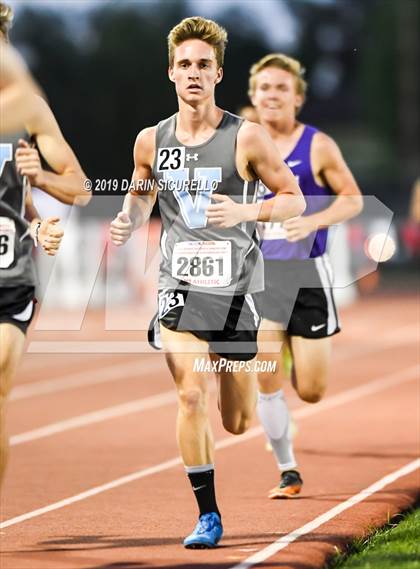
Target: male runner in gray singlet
pixel 211 265
pixel 20 167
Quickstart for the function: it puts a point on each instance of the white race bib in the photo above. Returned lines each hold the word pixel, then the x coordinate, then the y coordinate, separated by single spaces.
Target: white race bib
pixel 7 242
pixel 203 263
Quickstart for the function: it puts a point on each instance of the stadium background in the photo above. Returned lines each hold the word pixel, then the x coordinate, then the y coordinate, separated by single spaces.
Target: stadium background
pixel 94 480
pixel 103 67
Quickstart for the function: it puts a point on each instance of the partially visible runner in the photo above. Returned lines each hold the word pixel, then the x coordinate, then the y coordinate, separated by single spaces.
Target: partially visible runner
pixel 16 83
pixel 298 303
pixel 20 167
pixel 211 265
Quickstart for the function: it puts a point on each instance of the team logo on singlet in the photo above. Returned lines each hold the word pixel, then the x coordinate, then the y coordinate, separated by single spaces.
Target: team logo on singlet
pixel 293 163
pixel 191 187
pixel 6 155
pixel 194 194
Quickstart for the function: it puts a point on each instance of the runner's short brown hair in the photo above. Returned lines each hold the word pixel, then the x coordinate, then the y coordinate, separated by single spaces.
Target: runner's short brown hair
pixel 198 28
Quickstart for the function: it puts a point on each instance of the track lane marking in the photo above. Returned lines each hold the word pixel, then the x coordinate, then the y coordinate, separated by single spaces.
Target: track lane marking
pixel 286 540
pixel 136 406
pixel 374 386
pixel 103 374
pixel 113 372
pixel 168 397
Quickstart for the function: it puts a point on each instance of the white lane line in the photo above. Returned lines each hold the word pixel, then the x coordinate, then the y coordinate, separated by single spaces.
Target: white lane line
pixel 369 388
pixel 168 397
pixel 93 492
pixel 377 344
pixel 284 541
pixel 113 412
pixel 334 401
pixel 224 443
pixel 125 370
pixel 37 362
pixel 103 374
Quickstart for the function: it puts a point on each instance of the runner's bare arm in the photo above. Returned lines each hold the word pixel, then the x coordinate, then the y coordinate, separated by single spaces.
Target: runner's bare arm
pixel 138 204
pixel 31 213
pixel 263 161
pixel 329 165
pixel 335 172
pixel 67 181
pixel 17 88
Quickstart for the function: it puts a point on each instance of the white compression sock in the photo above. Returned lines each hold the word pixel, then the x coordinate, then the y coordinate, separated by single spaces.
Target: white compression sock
pixel 274 416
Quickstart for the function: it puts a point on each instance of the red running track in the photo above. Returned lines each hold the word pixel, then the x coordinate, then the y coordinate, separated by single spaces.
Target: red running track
pixel 94 479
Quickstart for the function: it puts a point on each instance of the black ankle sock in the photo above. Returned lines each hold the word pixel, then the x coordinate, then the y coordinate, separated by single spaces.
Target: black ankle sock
pixel 203 486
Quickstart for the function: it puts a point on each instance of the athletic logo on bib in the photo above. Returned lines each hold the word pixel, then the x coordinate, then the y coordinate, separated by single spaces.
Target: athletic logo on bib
pixel 203 263
pixel 7 242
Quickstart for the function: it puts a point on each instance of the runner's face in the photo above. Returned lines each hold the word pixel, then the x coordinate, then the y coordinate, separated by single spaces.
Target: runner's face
pixel 275 96
pixel 195 71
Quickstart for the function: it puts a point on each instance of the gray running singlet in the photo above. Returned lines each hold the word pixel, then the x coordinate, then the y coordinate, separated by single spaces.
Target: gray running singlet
pixel 16 265
pixel 195 254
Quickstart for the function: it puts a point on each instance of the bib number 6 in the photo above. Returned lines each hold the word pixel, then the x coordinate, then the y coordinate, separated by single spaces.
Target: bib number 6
pixel 7 242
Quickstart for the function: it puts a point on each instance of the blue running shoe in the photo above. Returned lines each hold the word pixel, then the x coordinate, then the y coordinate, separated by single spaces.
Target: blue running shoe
pixel 207 532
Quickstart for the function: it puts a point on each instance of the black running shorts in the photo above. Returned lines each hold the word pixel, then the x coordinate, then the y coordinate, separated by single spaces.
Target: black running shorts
pixel 17 306
pixel 298 294
pixel 229 324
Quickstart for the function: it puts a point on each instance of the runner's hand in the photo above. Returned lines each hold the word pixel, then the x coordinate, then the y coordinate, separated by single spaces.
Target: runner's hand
pixel 28 163
pixel 298 228
pixel 121 229
pixel 50 235
pixel 226 213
